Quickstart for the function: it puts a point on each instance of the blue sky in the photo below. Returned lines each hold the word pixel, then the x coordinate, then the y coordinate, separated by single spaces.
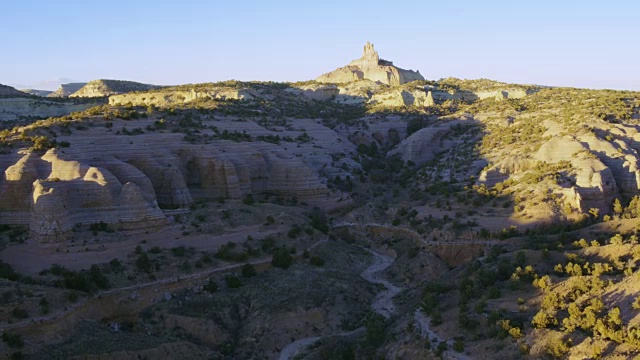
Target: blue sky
pixel 565 43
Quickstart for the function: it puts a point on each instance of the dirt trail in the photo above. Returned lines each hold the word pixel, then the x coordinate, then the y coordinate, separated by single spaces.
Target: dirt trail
pixel 383 304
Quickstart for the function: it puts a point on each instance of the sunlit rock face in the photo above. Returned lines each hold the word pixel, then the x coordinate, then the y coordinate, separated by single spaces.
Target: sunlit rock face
pixel 371 67
pixel 128 184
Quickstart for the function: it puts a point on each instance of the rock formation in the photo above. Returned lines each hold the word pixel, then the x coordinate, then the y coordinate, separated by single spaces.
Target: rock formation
pixel 126 184
pixel 403 97
pixel 595 186
pixel 168 97
pixel 318 92
pixel 100 88
pixel 66 89
pixel 16 107
pixel 370 66
pixel 424 144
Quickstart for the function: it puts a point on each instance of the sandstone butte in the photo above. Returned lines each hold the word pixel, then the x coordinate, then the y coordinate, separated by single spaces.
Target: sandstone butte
pixel 371 67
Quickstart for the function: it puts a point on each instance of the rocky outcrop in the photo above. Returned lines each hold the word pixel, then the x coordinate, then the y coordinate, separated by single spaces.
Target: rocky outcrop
pixel 595 185
pixel 101 88
pixel 126 184
pixel 66 89
pixel 370 66
pixel 318 92
pixel 169 97
pixel 493 175
pixel 424 144
pixel 620 158
pixel 8 91
pixel 16 108
pixel 471 96
pixel 403 97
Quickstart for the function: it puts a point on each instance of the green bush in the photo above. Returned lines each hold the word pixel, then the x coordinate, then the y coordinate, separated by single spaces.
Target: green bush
pixel 12 340
pixel 232 281
pixel 248 270
pixel 458 346
pixel 211 286
pixel 316 261
pixel 282 258
pixel 376 326
pixel 143 263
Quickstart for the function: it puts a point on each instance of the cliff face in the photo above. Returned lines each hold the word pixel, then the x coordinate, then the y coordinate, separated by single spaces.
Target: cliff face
pixel 66 89
pixel 370 67
pixel 126 185
pixel 162 98
pixel 100 88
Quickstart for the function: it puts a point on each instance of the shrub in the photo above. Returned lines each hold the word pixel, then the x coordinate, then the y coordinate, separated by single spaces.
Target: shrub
pixel 19 313
pixel 282 258
pixel 143 263
pixel 7 272
pixel 316 261
pixel 12 340
pixel 376 326
pixel 211 286
pixel 458 346
pixel 232 281
pixel 155 250
pixel 248 200
pixel 179 251
pixel 248 270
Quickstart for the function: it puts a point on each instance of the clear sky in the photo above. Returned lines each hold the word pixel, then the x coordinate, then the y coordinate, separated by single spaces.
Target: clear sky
pixel 586 43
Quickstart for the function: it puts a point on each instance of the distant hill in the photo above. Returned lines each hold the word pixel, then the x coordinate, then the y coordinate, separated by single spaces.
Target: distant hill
pixel 8 91
pixel 99 88
pixel 35 92
pixel 67 89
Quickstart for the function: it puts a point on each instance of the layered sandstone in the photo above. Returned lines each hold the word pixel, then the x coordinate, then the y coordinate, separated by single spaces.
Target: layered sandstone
pixel 423 145
pixel 126 184
pixel 403 97
pixel 169 97
pixel 371 67
pixel 595 185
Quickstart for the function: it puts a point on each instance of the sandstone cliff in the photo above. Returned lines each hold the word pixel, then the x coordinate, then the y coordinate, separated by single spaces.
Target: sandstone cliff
pixel 112 180
pixel 370 67
pixel 169 96
pixel 595 186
